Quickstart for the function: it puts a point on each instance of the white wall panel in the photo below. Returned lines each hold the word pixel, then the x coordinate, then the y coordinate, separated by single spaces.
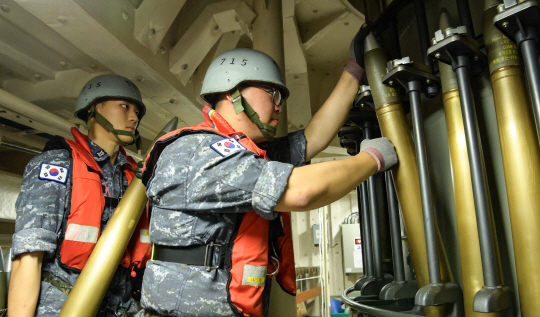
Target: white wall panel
pixel 10 186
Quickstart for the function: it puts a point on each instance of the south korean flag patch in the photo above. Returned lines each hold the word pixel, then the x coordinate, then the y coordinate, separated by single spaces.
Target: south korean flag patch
pixel 227 147
pixel 55 173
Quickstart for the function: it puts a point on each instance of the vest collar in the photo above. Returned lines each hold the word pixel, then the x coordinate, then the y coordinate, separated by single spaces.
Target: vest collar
pixel 213 119
pixel 216 121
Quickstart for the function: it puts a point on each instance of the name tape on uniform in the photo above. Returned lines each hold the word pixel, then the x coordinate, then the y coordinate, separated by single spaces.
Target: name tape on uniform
pixel 53 172
pixel 227 147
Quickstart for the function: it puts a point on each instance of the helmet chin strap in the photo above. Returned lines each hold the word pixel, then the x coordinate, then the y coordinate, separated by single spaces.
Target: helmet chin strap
pixel 241 104
pixel 136 138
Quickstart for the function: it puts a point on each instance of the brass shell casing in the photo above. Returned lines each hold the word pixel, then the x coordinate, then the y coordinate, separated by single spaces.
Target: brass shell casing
pixel 86 296
pixel 91 286
pixel 394 126
pixel 469 246
pixel 521 160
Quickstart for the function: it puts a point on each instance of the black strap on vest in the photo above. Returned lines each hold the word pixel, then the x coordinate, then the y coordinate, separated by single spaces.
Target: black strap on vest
pixel 200 255
pixel 111 202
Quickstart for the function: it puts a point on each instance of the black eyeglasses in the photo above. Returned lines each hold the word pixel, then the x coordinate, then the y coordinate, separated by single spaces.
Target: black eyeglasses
pixel 276 94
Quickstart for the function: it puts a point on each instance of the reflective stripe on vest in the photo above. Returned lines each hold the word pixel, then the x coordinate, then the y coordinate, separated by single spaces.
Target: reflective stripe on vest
pixel 250 246
pixel 82 228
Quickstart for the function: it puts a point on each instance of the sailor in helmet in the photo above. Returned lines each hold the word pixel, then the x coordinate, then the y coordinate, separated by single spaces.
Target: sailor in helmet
pixel 222 190
pixel 68 194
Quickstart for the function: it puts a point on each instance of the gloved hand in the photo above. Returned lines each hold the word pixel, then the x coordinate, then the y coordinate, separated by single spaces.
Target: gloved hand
pixel 138 169
pixel 383 152
pixel 355 66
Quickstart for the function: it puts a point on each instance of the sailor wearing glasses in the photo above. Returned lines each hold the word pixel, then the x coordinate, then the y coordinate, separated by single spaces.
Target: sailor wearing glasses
pixel 222 190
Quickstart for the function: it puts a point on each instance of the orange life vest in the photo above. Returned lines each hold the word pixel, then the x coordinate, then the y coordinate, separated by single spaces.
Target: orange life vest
pixel 251 244
pixel 82 223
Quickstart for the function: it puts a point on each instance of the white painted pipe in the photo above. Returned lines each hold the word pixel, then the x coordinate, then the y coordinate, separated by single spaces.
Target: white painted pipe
pixel 32 111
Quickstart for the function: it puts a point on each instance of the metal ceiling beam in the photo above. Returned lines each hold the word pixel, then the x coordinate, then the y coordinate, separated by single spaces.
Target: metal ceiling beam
pixel 153 18
pixel 107 36
pixel 296 73
pixel 215 20
pixel 37 69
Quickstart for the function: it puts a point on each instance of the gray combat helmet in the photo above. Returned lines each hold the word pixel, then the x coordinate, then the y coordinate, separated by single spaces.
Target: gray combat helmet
pixel 239 65
pixel 108 86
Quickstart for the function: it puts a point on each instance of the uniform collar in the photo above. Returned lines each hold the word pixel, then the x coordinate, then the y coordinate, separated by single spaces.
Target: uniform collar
pixel 101 155
pixel 216 121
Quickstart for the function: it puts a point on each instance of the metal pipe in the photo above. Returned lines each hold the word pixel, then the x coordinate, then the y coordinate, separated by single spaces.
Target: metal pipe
pixel 423 31
pixel 414 88
pixel 30 110
pixel 465 15
pixel 479 189
pixel 86 295
pixel 394 126
pixel 367 244
pixel 395 229
pixel 472 278
pixel 532 69
pixel 374 218
pixel 19 148
pixel 360 223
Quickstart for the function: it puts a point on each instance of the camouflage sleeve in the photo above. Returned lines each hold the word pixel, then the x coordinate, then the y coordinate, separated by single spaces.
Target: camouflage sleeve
pixel 288 149
pixel 40 206
pixel 192 176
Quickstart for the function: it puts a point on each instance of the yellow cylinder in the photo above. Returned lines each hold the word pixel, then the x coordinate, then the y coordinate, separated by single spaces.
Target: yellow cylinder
pixel 521 160
pixel 86 296
pixel 472 278
pixel 394 126
pixel 91 286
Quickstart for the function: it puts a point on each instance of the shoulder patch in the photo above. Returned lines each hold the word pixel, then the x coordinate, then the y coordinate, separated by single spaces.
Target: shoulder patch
pixel 53 172
pixel 226 147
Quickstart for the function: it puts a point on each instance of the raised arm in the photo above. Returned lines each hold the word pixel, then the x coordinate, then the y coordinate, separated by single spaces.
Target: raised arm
pixel 326 123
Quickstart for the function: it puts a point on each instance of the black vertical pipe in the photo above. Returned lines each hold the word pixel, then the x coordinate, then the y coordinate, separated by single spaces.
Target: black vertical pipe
pixel 462 69
pixel 374 218
pixel 414 88
pixel 532 69
pixel 362 234
pixel 423 31
pixel 368 270
pixel 464 12
pixel 395 229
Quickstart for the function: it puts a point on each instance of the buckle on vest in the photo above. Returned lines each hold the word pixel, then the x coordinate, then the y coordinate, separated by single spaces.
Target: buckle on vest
pixel 208 256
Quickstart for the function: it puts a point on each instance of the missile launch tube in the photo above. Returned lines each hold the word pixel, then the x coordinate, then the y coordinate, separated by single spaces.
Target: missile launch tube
pixel 521 160
pixel 85 297
pixel 394 126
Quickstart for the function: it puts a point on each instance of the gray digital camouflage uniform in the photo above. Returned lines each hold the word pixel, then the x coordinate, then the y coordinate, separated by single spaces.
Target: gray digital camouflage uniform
pixel 40 211
pixel 197 195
